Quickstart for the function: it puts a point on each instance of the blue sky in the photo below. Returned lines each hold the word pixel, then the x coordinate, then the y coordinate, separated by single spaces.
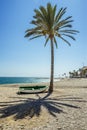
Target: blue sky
pixel 21 57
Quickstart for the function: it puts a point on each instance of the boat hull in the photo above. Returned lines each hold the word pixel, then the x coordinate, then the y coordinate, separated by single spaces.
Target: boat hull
pixel 32 89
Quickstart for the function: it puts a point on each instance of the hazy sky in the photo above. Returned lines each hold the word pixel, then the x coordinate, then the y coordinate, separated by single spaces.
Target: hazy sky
pixel 21 57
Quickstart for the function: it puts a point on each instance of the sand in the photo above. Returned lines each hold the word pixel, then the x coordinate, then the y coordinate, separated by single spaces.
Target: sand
pixel 64 109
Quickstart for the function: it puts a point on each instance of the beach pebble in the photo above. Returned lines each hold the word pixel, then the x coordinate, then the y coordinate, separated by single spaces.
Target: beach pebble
pixel 68 103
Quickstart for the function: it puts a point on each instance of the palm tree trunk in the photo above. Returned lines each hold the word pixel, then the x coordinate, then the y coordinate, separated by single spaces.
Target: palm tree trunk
pixel 52 67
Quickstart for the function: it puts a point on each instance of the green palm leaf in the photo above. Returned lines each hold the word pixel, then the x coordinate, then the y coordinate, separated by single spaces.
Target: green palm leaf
pixel 65 40
pixel 36 37
pixel 59 15
pixel 69 36
pixel 66 26
pixel 47 39
pixel 69 31
pixel 55 42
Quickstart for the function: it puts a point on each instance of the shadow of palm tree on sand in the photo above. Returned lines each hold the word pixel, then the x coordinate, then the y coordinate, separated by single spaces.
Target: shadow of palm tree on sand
pixel 32 107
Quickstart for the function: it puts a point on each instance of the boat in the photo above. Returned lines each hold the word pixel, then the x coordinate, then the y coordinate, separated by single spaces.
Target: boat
pixel 32 89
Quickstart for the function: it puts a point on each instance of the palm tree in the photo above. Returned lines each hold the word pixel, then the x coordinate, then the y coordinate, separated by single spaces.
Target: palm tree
pixel 51 24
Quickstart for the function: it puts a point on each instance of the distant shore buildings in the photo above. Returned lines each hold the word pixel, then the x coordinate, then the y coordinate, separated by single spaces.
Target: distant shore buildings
pixel 81 73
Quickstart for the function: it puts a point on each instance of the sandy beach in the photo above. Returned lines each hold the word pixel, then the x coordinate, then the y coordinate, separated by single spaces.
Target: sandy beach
pixel 64 109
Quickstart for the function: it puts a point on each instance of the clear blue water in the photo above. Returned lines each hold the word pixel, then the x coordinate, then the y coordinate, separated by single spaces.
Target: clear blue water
pixel 14 80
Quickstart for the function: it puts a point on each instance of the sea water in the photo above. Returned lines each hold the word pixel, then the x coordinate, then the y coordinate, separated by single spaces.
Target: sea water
pixel 14 80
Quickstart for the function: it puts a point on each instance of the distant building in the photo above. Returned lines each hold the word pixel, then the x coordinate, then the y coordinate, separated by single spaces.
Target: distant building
pixel 81 73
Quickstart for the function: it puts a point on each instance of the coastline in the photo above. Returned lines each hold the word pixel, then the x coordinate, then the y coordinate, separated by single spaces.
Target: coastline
pixel 65 109
pixel 24 80
pixel 65 82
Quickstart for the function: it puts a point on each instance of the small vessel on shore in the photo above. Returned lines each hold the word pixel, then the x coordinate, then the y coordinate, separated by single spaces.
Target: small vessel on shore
pixel 32 89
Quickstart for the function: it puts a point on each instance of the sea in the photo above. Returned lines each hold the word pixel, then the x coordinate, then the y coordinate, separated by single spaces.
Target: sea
pixel 15 80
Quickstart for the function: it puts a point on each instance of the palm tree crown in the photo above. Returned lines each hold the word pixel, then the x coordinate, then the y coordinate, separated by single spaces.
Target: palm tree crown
pixel 51 24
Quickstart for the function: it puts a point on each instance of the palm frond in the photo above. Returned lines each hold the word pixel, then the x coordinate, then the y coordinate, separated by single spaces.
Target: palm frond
pixel 47 39
pixel 69 31
pixel 33 32
pixel 52 16
pixel 34 22
pixel 33 29
pixel 66 26
pixel 49 8
pixel 40 24
pixel 38 14
pixel 62 23
pixel 69 36
pixel 59 15
pixel 65 40
pixel 69 17
pixel 54 11
pixel 43 11
pixel 35 37
pixel 28 34
pixel 55 42
pixel 49 15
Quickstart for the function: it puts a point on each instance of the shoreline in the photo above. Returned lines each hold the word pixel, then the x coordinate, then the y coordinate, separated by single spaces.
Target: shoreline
pixel 24 80
pixel 60 83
